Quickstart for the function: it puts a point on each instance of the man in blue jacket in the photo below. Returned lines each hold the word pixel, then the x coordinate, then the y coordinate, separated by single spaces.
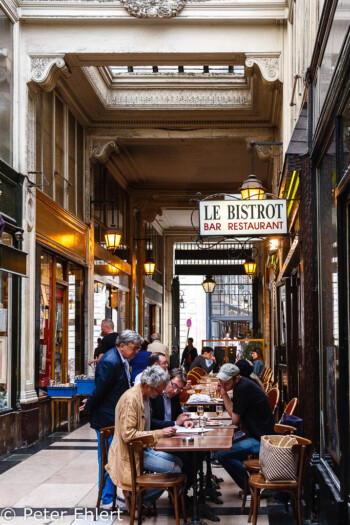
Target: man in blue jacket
pixel 112 379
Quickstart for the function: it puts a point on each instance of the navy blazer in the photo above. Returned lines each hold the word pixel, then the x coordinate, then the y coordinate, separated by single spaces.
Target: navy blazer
pixel 158 410
pixel 110 384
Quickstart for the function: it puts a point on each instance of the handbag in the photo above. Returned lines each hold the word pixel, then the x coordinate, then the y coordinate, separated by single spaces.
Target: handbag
pixel 277 459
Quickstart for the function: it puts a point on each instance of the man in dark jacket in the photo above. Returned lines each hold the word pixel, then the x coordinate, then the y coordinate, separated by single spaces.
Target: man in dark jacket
pixel 112 379
pixel 201 360
pixel 189 354
pixel 166 409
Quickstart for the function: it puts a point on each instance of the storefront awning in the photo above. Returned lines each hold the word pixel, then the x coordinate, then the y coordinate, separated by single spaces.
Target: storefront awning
pixel 13 260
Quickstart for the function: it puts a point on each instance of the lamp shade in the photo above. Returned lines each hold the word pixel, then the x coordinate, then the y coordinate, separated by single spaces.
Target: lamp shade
pixel 149 266
pixel 209 284
pixel 112 239
pixel 252 189
pixel 250 266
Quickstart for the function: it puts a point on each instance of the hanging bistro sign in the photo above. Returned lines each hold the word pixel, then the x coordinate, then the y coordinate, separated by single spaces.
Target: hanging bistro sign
pixel 242 217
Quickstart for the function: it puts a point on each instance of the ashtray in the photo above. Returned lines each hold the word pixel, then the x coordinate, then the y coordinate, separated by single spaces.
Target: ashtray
pixel 187 440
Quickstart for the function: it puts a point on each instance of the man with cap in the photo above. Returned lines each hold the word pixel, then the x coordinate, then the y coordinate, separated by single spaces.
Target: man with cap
pixel 249 407
pixel 246 369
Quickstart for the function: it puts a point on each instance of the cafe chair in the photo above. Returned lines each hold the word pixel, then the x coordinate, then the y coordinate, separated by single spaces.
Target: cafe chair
pixel 199 370
pixel 258 482
pixel 273 396
pixel 193 377
pixel 266 386
pixel 105 434
pixel 252 466
pixel 173 482
pixel 289 408
pixel 266 375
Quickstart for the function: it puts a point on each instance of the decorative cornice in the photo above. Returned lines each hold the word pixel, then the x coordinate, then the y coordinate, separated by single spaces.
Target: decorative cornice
pixel 101 149
pixel 154 8
pixel 268 63
pixel 10 7
pixel 45 71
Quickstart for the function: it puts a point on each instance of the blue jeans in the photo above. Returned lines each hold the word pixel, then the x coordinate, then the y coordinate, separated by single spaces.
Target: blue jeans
pixel 159 462
pixel 107 493
pixel 232 460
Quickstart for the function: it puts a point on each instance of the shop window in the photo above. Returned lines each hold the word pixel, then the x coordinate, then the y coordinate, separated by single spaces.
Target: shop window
pixel 5 343
pixel 328 298
pixel 345 151
pixel 59 153
pixel 6 86
pixel 75 322
pixel 46 322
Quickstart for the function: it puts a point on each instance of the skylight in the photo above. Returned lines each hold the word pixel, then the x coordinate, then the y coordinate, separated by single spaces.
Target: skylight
pixel 192 70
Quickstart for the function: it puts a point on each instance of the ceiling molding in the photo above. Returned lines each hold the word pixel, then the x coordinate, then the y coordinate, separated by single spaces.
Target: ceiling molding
pixel 45 71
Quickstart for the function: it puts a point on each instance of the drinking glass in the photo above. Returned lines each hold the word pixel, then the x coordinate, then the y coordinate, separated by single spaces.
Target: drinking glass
pixel 200 410
pixel 219 410
pixel 197 389
pixel 202 422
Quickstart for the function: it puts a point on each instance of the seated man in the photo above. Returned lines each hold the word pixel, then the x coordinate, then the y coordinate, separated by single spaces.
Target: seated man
pixel 156 358
pixel 166 409
pixel 133 419
pixel 250 408
pixel 200 360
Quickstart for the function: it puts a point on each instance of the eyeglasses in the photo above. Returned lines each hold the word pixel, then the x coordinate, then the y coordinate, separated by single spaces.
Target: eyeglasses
pixel 176 387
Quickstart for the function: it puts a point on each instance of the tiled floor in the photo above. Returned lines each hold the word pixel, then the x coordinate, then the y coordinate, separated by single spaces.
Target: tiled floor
pixel 61 477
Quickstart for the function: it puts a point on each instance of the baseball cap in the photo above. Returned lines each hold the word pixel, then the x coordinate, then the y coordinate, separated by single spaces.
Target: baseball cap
pixel 228 371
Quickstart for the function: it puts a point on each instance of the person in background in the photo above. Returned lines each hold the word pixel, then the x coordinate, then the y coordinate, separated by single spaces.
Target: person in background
pixel 247 370
pixel 157 359
pixel 258 361
pixel 112 379
pixel 140 361
pixel 98 348
pixel 189 354
pixel 132 420
pixel 250 408
pixel 200 360
pixel 157 346
pixel 108 341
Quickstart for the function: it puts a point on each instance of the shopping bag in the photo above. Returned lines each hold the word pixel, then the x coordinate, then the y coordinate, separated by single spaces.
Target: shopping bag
pixel 277 459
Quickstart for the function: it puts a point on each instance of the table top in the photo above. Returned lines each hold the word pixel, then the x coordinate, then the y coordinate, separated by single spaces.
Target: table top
pixel 212 402
pixel 216 439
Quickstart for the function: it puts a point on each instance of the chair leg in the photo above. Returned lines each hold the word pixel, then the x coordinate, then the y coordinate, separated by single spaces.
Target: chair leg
pixel 255 505
pixel 114 497
pixel 99 497
pixel 132 508
pixel 298 505
pixel 245 490
pixel 183 505
pixel 139 508
pixel 176 505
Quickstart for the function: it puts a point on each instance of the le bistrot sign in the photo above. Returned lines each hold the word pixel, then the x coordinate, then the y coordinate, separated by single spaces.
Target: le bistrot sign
pixel 242 217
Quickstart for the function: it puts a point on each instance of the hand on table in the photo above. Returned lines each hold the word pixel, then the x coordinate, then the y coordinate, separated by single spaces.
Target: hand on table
pixel 169 431
pixel 188 424
pixel 180 420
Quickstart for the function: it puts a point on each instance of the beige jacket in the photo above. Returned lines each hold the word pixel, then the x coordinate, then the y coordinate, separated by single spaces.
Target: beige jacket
pixel 157 346
pixel 129 423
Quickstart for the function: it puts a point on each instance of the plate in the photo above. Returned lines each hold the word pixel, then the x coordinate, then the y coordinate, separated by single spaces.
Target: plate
pixel 214 423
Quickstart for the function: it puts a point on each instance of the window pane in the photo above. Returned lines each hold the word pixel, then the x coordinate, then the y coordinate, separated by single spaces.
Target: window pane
pixel 71 162
pixel 80 171
pixel 45 356
pixel 6 98
pixel 59 158
pixel 5 354
pixel 329 327
pixel 47 138
pixel 75 323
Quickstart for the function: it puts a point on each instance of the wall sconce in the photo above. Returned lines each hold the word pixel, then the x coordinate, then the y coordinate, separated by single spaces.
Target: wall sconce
pixel 181 300
pixel 209 284
pixel 113 270
pixel 112 235
pixel 149 264
pixel 250 266
pixel 71 301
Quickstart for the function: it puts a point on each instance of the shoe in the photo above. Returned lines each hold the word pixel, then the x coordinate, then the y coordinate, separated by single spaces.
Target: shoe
pixel 241 495
pixel 119 503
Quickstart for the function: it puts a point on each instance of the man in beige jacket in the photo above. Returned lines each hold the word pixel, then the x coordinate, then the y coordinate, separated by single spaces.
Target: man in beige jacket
pixel 133 419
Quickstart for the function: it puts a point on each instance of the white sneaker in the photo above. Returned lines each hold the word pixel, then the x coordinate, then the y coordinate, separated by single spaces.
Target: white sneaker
pixel 119 503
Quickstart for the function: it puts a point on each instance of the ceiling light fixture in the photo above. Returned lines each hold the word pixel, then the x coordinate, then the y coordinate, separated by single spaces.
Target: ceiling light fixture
pixel 209 284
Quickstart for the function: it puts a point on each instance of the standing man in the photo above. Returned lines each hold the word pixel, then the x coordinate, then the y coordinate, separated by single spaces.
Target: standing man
pixel 133 419
pixel 112 379
pixel 157 346
pixel 189 354
pixel 108 341
pixel 250 408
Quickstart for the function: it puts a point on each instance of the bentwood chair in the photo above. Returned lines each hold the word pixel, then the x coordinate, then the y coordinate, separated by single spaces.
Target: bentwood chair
pixel 258 482
pixel 193 377
pixel 266 375
pixel 105 434
pixel 252 466
pixel 173 482
pixel 289 408
pixel 199 370
pixel 273 396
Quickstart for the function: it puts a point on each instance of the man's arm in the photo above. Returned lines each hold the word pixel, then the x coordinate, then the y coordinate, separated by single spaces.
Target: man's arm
pixel 104 380
pixel 229 406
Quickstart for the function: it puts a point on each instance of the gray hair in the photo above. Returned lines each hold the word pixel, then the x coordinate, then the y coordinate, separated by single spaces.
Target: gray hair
pixel 153 376
pixel 155 337
pixel 178 372
pixel 129 336
pixel 108 322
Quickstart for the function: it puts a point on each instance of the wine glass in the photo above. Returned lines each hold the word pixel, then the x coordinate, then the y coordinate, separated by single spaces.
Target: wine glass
pixel 219 410
pixel 200 410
